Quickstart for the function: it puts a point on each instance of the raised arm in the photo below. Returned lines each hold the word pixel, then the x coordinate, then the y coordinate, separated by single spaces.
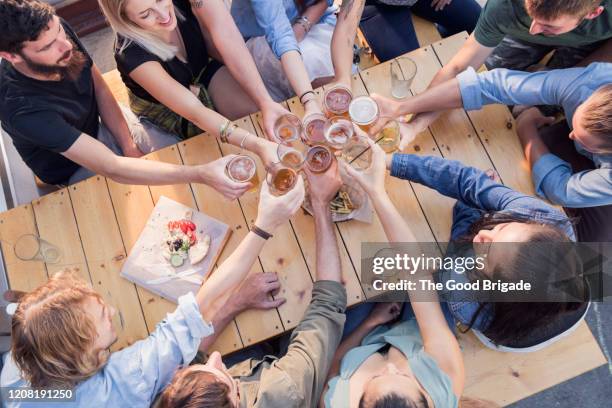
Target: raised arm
pixel 215 17
pixel 157 82
pixel 344 38
pixel 273 211
pixel 438 340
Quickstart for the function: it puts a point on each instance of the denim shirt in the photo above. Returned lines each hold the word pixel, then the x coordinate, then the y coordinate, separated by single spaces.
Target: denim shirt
pixel 569 88
pixel 274 18
pixel 476 194
pixel 133 376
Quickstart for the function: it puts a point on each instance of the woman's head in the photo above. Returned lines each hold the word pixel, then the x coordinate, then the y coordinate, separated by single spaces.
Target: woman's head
pixel 146 22
pixel 393 387
pixel 203 386
pixel 533 252
pixel 61 332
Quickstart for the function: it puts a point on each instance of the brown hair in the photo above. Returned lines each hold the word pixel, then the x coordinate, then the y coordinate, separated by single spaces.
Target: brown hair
pixel 597 118
pixel 52 334
pixel 21 21
pixel 551 9
pixel 514 321
pixel 195 389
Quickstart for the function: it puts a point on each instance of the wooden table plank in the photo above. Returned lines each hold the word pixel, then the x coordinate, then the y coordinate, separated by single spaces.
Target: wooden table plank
pixel 496 129
pixel 253 325
pixel 229 340
pixel 508 377
pixel 282 254
pixel 64 235
pixel 105 254
pixel 436 207
pixel 22 275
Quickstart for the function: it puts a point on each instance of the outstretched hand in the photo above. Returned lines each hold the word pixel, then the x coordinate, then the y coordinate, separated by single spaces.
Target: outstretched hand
pixel 373 178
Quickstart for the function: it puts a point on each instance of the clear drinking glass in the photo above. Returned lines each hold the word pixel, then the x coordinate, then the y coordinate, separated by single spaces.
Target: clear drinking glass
pixel 281 179
pixel 30 247
pixel 292 154
pixel 358 153
pixel 314 128
pixel 389 137
pixel 403 71
pixel 336 101
pixel 364 112
pixel 241 169
pixel 338 132
pixel 288 128
pixel 319 158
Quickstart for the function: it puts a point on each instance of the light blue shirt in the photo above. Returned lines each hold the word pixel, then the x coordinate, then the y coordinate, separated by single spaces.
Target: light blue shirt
pixel 273 18
pixel 133 376
pixel 553 177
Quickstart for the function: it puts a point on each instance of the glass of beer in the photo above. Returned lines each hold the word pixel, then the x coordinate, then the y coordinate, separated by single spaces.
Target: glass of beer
pixel 243 169
pixel 358 153
pixel 336 101
pixel 314 128
pixel 319 158
pixel 281 179
pixel 389 137
pixel 364 112
pixel 288 128
pixel 292 154
pixel 338 131
pixel 403 71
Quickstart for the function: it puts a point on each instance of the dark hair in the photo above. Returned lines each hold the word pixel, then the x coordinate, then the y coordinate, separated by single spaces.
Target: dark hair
pixel 512 322
pixel 393 400
pixel 550 9
pixel 196 389
pixel 21 21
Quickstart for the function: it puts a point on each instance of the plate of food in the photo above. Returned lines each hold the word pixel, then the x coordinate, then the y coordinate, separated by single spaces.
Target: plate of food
pixel 176 250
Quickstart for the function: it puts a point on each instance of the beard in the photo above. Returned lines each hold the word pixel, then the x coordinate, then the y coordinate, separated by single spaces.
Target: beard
pixel 72 69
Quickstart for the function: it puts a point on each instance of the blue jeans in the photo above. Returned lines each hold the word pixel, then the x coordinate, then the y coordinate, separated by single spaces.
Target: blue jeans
pixel 356 315
pixel 389 29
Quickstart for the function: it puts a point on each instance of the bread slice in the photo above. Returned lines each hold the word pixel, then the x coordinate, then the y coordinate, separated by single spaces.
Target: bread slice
pixel 198 252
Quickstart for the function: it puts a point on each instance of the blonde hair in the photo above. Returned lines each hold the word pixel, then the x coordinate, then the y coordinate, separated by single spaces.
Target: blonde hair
pixel 114 10
pixel 53 336
pixel 597 117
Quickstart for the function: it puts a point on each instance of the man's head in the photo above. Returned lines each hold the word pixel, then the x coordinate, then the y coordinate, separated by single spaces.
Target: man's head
pixel 592 122
pixel 203 386
pixel 555 17
pixel 61 332
pixel 32 39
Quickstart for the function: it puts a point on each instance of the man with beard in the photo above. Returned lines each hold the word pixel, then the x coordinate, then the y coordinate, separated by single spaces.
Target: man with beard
pixel 63 118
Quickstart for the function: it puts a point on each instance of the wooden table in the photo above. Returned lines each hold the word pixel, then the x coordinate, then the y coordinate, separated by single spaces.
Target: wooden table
pixel 96 222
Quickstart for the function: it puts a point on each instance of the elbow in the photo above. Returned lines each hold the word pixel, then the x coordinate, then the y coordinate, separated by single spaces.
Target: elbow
pixel 112 169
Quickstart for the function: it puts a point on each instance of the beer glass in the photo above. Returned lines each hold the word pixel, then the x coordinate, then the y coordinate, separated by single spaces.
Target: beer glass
pixel 242 169
pixel 281 179
pixel 389 137
pixel 314 128
pixel 319 158
pixel 287 128
pixel 338 131
pixel 336 101
pixel 292 154
pixel 364 112
pixel 358 153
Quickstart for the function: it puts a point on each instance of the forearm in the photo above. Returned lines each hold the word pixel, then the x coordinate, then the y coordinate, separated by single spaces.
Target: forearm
pixel 221 320
pixel 211 296
pixel 602 54
pixel 328 255
pixel 532 144
pixel 344 38
pixel 315 11
pixel 447 95
pixel 129 170
pixel 294 69
pixel 396 228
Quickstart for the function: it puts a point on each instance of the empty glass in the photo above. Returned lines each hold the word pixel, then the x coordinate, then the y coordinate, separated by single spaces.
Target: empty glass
pixel 403 71
pixel 30 247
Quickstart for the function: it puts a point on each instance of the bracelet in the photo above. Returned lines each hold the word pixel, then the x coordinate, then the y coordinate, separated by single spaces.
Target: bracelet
pixel 243 139
pixel 304 94
pixel 304 22
pixel 223 131
pixel 258 231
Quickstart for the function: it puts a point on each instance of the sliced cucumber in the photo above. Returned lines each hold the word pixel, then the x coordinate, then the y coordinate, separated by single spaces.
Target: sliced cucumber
pixel 176 260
